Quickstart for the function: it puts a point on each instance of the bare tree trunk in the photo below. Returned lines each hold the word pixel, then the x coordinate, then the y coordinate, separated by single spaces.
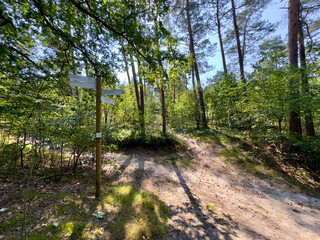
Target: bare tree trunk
pixel 75 73
pixel 220 40
pixel 126 63
pixel 240 55
pixel 304 78
pixel 135 82
pixel 293 26
pixel 23 147
pixel 163 106
pixel 196 100
pixel 174 94
pixel 141 110
pixel 195 65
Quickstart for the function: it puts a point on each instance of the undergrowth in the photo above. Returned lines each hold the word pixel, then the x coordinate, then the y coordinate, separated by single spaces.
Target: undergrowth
pixel 71 212
pixel 133 138
pixel 268 154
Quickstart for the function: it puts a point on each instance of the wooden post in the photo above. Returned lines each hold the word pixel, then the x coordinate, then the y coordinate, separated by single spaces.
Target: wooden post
pixel 98 138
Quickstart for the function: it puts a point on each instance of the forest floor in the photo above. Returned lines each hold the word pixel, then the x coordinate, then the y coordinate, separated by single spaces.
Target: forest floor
pixel 210 199
pixel 207 198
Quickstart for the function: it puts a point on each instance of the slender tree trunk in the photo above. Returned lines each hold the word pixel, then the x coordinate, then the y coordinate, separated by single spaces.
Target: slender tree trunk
pixel 23 147
pixel 279 123
pixel 162 98
pixel 196 100
pixel 61 160
pixel 75 73
pixel 141 111
pixel 304 79
pixel 220 40
pixel 163 106
pixel 174 94
pixel 135 82
pixel 240 55
pixel 195 65
pixel 126 63
pixel 293 27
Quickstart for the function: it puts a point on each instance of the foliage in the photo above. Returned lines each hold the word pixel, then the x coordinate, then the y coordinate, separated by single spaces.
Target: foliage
pixel 45 124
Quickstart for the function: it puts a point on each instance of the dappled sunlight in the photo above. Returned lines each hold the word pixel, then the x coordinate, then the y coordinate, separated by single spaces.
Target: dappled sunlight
pixel 123 190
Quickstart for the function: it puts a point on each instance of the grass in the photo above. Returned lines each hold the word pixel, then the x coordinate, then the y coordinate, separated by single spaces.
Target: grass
pixel 247 161
pixel 254 152
pixel 130 213
pixel 210 206
pixel 140 214
pixel 15 221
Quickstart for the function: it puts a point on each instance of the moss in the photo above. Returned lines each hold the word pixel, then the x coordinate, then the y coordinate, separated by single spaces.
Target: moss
pixel 57 195
pixel 37 236
pixel 141 214
pixel 73 209
pixel 51 229
pixel 69 230
pixel 93 231
pixel 15 221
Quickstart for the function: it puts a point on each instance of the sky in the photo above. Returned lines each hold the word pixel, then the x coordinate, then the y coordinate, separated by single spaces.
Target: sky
pixel 276 12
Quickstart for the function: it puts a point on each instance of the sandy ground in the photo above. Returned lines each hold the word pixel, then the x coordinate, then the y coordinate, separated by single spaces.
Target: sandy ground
pixel 242 206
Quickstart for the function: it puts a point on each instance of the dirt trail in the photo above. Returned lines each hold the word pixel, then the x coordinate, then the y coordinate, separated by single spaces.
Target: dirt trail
pixel 242 206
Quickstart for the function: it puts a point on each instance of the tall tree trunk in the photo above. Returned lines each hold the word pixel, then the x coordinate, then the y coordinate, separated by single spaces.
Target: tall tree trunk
pixel 174 94
pixel 125 62
pixel 196 100
pixel 220 40
pixel 135 82
pixel 195 65
pixel 75 73
pixel 141 110
pixel 240 56
pixel 162 97
pixel 163 106
pixel 293 27
pixel 304 78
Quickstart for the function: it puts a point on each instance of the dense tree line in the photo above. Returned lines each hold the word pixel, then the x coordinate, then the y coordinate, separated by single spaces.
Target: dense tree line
pixel 163 48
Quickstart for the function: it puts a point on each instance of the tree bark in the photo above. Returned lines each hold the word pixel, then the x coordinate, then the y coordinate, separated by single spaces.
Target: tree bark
pixel 293 28
pixel 196 70
pixel 304 78
pixel 174 94
pixel 141 110
pixel 240 56
pixel 163 106
pixel 220 40
pixel 126 64
pixel 135 82
pixel 196 100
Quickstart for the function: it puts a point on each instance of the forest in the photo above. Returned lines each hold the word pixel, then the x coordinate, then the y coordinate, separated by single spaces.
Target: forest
pixel 212 131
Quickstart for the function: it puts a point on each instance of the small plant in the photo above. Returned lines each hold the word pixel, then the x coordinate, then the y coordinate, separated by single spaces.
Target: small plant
pixel 98 215
pixel 209 206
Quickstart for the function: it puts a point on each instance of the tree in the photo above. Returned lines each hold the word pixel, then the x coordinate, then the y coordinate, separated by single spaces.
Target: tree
pixel 240 53
pixel 195 67
pixel 309 125
pixel 218 23
pixel 183 9
pixel 293 26
pixel 248 30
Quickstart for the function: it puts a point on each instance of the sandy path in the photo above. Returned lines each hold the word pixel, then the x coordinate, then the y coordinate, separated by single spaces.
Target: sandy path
pixel 245 206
